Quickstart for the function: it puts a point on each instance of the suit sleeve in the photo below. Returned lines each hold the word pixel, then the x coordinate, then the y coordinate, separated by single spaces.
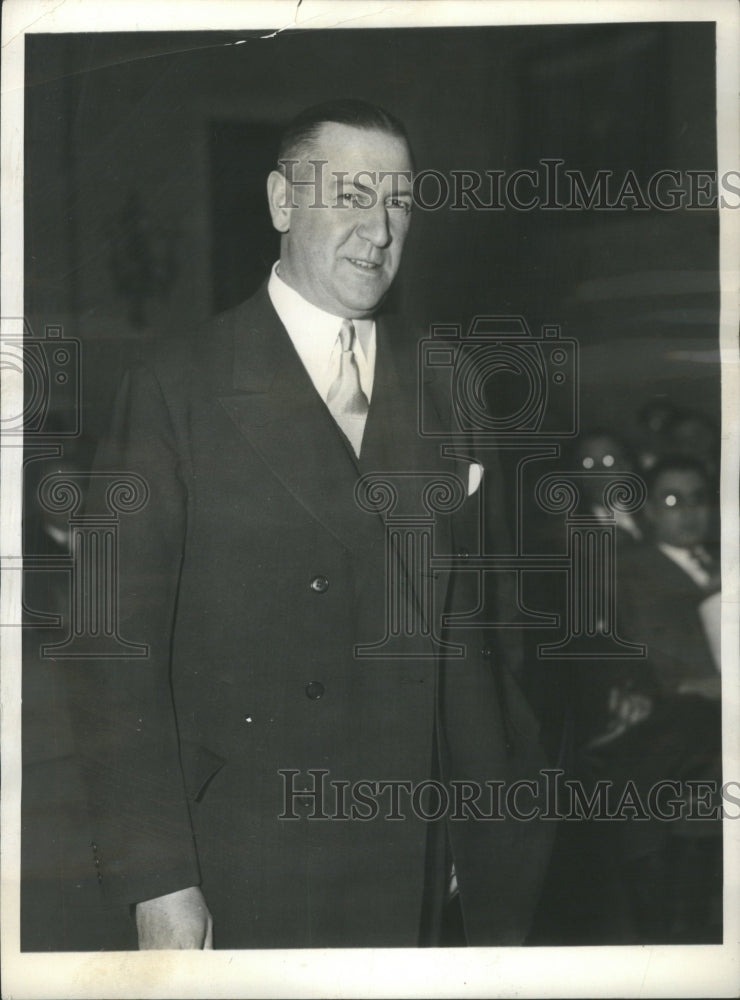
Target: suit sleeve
pixel 121 706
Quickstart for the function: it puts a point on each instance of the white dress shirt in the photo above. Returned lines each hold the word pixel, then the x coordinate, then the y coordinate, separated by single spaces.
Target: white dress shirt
pixel 315 336
pixel 688 562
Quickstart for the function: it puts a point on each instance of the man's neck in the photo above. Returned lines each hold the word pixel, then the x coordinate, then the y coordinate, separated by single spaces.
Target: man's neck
pixel 314 334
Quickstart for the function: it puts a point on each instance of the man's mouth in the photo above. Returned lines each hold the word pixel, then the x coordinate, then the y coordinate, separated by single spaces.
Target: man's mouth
pixel 364 265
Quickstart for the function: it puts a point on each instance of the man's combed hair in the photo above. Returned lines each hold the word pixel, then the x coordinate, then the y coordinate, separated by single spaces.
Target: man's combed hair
pixel 678 462
pixel 300 135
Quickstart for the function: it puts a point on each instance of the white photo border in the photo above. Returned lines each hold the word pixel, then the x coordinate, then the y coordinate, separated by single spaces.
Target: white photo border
pixel 626 971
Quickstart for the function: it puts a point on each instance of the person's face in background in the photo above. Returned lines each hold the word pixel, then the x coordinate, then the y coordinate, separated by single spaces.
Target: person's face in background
pixel 678 509
pixel 600 453
pixel 343 236
pixel 654 418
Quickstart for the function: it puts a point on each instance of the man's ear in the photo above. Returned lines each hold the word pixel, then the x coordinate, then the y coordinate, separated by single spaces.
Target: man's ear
pixel 279 198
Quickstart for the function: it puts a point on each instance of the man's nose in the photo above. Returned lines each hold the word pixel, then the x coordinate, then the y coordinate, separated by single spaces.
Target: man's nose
pixel 374 225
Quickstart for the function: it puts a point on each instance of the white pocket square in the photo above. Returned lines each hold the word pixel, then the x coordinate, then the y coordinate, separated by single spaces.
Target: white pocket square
pixel 475 475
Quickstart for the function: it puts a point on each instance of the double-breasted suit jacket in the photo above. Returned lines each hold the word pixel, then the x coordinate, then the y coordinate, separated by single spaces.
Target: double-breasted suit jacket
pixel 251 575
pixel 659 606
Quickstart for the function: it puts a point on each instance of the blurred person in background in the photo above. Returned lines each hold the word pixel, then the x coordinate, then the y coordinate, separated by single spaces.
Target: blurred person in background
pixel 601 450
pixel 652 421
pixel 693 433
pixel 663 711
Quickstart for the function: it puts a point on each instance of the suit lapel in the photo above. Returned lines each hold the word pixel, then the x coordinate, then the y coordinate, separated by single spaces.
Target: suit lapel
pixel 681 578
pixel 393 441
pixel 275 406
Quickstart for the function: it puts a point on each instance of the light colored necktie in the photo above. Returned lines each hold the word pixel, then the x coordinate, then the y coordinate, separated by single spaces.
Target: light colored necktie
pixel 346 401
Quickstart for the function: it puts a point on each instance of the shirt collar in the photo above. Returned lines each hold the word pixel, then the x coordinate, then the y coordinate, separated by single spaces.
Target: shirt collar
pixel 688 561
pixel 298 314
pixel 314 334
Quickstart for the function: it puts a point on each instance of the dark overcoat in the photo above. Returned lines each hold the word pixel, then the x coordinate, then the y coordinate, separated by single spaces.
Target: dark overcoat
pixel 251 575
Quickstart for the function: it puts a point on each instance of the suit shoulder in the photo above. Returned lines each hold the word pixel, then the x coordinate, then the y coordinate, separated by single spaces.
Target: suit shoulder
pixel 648 574
pixel 402 334
pixel 201 358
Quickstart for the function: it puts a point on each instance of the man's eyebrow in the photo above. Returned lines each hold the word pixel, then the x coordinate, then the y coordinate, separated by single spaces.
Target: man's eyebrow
pixel 342 179
pixel 670 491
pixel 401 185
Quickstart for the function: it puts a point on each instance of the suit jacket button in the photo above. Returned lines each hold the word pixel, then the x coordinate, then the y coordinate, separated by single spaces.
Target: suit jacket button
pixel 320 584
pixel 315 690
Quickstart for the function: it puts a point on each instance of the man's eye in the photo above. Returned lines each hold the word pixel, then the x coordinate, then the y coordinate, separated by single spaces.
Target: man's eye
pixel 350 198
pixel 399 204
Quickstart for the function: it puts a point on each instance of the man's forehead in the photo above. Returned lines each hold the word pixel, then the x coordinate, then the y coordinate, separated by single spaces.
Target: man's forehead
pixel 682 481
pixel 599 444
pixel 348 147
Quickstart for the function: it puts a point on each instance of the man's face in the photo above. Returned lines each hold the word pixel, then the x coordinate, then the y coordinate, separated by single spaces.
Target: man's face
pixel 601 453
pixel 679 508
pixel 344 230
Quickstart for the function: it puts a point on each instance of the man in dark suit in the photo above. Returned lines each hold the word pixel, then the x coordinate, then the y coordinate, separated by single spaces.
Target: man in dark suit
pixel 664 711
pixel 662 586
pixel 256 571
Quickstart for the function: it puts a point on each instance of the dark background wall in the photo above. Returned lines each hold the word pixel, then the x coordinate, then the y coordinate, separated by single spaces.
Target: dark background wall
pixel 146 155
pixel 145 163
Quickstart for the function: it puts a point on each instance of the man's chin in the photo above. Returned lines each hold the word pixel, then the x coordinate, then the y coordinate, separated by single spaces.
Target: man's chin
pixel 364 291
pixel 364 302
pixel 366 297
